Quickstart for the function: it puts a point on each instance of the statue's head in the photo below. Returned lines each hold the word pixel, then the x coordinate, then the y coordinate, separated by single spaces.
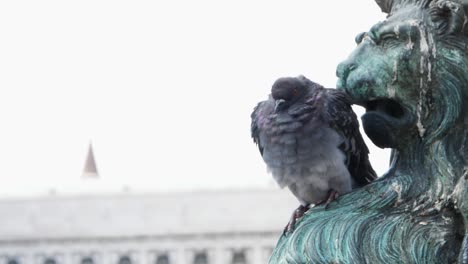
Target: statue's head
pixel 410 72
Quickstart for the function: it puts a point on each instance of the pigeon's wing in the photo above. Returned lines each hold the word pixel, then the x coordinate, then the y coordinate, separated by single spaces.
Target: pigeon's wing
pixel 342 118
pixel 259 118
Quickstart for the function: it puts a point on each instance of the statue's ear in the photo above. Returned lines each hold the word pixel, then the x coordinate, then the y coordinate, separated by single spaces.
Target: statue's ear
pixel 385 5
pixel 448 16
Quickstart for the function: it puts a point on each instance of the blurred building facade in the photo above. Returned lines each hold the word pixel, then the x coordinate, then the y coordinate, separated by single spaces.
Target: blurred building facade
pixel 225 227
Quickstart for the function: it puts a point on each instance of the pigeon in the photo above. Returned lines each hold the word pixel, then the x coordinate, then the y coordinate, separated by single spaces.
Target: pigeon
pixel 309 138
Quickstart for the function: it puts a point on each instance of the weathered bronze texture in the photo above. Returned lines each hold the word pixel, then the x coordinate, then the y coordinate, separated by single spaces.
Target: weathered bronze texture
pixel 411 73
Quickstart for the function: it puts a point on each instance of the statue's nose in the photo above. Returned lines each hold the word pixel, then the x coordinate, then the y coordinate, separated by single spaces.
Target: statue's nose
pixel 343 70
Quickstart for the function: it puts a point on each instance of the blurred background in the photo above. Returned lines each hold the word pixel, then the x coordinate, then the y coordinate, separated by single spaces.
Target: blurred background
pixel 125 125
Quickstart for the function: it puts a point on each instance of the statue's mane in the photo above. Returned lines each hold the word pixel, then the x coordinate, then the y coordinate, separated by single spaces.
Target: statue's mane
pixel 447 86
pixel 390 6
pixel 443 93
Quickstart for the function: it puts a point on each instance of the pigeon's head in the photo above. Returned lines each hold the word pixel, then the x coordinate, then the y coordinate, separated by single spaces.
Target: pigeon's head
pixel 288 90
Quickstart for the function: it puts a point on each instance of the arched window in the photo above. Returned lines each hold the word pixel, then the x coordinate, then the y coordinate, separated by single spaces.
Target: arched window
pixel 125 260
pixel 87 260
pixel 162 259
pixel 12 261
pixel 238 257
pixel 200 258
pixel 50 261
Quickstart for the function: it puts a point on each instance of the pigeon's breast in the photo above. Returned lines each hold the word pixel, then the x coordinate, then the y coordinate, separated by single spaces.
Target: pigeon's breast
pixel 296 151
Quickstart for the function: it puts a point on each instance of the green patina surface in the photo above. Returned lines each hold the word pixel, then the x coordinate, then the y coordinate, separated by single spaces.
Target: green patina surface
pixel 416 212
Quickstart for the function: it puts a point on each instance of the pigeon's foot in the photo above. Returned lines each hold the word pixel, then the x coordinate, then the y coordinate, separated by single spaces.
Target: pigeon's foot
pixel 297 214
pixel 301 210
pixel 332 196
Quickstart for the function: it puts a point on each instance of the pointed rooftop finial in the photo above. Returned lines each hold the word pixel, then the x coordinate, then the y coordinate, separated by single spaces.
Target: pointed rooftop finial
pixel 90 169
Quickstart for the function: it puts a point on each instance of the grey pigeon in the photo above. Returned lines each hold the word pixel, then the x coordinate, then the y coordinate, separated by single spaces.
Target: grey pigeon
pixel 309 138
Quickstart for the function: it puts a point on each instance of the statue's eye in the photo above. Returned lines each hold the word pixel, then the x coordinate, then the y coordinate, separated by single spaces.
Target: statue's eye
pixel 388 36
pixel 388 40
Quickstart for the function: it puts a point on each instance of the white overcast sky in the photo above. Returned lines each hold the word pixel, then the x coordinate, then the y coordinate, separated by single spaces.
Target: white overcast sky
pixel 163 89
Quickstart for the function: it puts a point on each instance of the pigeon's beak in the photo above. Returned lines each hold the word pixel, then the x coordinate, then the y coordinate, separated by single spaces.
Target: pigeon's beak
pixel 279 104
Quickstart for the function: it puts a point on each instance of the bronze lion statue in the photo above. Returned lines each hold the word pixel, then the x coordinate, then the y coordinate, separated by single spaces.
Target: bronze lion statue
pixel 410 72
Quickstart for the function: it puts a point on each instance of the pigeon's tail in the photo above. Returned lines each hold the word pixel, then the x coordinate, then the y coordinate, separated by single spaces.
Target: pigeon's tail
pixel 363 173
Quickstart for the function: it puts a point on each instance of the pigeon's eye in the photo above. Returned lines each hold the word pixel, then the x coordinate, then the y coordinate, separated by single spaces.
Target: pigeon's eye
pixel 295 91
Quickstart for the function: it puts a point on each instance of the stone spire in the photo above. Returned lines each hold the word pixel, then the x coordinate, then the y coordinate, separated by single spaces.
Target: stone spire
pixel 90 169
